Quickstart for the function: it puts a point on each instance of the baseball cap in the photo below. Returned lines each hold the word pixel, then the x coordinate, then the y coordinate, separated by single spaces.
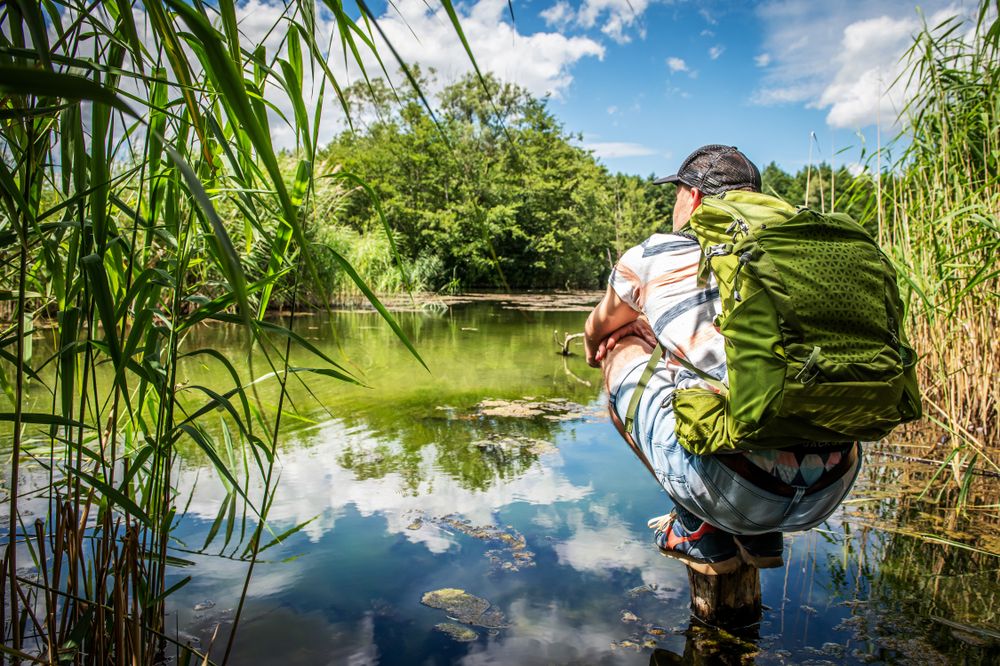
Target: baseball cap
pixel 715 169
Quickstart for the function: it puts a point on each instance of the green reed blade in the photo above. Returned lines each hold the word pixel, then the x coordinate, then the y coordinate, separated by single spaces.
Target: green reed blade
pixel 167 592
pixel 286 534
pixel 268 327
pixel 32 15
pixel 373 299
pixel 136 464
pixel 230 522
pixel 41 418
pixel 126 21
pixel 29 81
pixel 217 523
pixel 115 496
pixel 237 382
pixel 164 30
pixel 229 261
pixel 227 10
pixel 217 401
pixel 94 266
pixel 406 71
pixel 318 56
pixel 203 440
pixel 292 85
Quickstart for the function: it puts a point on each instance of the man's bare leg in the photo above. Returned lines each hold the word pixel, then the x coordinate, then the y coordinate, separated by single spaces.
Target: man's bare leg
pixel 626 352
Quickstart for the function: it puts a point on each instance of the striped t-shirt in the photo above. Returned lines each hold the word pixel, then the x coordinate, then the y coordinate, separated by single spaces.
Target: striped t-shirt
pixel 659 278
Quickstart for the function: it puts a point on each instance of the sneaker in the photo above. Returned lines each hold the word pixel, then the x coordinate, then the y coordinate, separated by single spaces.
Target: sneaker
pixel 763 551
pixel 707 550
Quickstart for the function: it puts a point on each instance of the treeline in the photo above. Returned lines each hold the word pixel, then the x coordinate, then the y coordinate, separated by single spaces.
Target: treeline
pixel 493 192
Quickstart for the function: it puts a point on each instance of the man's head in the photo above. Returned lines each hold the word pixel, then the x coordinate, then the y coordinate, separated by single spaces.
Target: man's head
pixel 710 170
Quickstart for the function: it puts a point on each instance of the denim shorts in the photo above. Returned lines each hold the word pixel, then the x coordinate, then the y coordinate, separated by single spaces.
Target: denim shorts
pixel 706 487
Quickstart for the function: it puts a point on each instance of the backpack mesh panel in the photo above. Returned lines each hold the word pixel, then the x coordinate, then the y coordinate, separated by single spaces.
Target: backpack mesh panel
pixel 836 287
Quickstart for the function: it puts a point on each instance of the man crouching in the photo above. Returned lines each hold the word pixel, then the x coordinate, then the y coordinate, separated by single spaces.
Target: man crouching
pixel 728 508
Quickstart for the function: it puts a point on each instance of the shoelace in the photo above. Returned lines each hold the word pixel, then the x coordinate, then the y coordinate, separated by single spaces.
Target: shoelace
pixel 662 523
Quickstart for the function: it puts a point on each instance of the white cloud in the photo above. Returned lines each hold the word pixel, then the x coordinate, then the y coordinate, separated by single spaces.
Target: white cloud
pixel 615 18
pixel 560 14
pixel 707 33
pixel 783 94
pixel 615 149
pixel 422 35
pixel 324 488
pixel 856 168
pixel 540 61
pixel 842 56
pixel 612 110
pixel 705 14
pixel 716 51
pixel 619 551
pixel 676 64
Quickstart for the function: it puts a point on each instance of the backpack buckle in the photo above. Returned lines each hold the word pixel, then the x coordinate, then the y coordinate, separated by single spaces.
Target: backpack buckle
pixel 718 250
pixel 804 376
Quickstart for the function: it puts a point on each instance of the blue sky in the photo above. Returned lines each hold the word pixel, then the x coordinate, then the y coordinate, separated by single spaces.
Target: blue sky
pixel 647 81
pixel 644 82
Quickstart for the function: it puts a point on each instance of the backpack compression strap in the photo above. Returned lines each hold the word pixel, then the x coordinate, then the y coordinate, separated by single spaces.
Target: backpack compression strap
pixel 647 374
pixel 633 404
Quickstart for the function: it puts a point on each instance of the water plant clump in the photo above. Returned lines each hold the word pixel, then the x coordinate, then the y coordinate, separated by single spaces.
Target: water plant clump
pixel 464 607
pixel 938 214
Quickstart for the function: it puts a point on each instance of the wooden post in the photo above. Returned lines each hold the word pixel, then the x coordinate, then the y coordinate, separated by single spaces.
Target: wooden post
pixel 728 600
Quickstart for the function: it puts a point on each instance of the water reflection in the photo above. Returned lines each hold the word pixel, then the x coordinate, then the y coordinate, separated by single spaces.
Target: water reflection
pixel 409 486
pixel 337 466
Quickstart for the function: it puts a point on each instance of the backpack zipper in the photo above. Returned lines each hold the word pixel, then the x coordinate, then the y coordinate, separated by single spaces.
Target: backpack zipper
pixel 744 260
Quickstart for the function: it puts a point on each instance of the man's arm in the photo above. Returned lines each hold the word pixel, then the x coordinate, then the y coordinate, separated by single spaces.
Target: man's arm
pixel 608 316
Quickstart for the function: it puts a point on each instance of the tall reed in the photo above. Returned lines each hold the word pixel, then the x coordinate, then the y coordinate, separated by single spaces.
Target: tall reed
pixel 940 215
pixel 125 128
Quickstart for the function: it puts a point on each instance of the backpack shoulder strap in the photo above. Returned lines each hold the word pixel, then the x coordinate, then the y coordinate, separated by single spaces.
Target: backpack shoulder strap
pixel 647 374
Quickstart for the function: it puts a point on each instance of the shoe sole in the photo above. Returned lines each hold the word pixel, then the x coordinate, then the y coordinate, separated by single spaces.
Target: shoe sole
pixel 759 561
pixel 707 568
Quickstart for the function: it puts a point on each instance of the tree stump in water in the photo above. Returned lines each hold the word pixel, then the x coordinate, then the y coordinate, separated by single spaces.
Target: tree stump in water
pixel 727 600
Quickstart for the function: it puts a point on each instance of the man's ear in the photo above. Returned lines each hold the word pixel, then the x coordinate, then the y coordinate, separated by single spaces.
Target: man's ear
pixel 696 197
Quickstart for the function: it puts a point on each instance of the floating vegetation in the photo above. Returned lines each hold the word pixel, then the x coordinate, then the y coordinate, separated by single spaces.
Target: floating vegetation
pixel 645 635
pixel 511 556
pixel 465 608
pixel 457 632
pixel 495 442
pixel 555 409
pixel 642 590
pixel 568 301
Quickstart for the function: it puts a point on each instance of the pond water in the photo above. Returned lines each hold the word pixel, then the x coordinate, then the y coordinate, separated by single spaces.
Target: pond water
pixel 498 473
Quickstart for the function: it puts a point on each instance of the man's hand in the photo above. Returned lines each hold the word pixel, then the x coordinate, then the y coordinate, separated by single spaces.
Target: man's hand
pixel 609 316
pixel 640 328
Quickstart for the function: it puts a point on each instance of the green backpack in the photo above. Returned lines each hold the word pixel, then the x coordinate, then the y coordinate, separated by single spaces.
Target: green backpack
pixel 813 328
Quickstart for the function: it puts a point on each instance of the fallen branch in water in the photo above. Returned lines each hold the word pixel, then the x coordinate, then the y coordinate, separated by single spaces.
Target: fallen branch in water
pixel 570 337
pixel 571 374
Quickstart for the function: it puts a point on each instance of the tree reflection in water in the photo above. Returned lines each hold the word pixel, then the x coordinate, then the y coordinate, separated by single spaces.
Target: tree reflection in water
pixel 371 472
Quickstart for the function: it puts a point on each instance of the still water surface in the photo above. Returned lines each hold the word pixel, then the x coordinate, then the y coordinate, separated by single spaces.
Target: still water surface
pixel 416 484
